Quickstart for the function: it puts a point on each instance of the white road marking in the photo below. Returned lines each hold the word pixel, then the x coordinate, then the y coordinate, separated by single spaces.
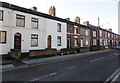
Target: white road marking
pixel 72 67
pixel 96 59
pixel 52 74
pixel 113 77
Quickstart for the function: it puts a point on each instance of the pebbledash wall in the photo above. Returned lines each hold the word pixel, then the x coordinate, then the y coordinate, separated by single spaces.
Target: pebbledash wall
pixel 46 27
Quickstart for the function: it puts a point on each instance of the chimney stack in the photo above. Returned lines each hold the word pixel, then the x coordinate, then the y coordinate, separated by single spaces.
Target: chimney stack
pixel 110 30
pixel 52 11
pixel 77 20
pixel 86 23
pixel 67 18
pixel 34 8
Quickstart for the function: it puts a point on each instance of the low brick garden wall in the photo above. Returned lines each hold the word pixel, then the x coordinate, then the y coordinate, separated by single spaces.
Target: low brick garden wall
pixel 84 49
pixel 69 51
pixel 94 48
pixel 42 52
pixel 101 47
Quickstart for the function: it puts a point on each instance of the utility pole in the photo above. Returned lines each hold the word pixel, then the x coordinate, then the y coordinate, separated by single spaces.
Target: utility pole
pixel 98 22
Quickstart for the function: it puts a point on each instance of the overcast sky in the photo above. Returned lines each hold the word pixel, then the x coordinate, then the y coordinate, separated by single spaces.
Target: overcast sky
pixel 87 10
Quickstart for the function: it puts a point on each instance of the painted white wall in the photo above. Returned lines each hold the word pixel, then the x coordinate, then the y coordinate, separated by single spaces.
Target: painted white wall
pixel 9 25
pixel 45 27
pixel 51 29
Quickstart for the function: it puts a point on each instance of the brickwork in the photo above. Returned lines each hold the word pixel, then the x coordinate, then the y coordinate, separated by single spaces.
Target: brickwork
pixel 42 52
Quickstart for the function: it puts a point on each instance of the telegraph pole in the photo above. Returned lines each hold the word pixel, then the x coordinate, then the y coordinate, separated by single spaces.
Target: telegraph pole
pixel 98 22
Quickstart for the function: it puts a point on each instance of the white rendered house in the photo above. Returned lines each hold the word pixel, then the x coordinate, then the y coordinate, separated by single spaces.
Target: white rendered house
pixel 27 29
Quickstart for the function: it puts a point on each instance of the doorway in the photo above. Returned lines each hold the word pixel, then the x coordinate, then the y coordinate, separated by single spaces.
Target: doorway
pixel 49 42
pixel 17 41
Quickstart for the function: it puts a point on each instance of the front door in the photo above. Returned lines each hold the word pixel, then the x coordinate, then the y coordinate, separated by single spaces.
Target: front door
pixel 49 41
pixel 17 41
pixel 110 43
pixel 68 42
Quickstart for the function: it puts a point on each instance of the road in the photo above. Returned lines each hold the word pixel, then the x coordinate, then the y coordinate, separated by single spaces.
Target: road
pixel 94 67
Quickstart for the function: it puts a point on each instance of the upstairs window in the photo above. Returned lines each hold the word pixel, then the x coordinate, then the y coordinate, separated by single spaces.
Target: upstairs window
pixel 1 15
pixel 100 33
pixel 94 33
pixel 109 35
pixel 58 40
pixel 34 23
pixel 106 34
pixel 86 32
pixel 58 27
pixel 20 20
pixel 75 30
pixel 2 36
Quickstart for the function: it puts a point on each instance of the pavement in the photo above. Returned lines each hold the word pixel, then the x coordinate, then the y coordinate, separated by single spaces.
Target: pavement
pixel 87 67
pixel 11 63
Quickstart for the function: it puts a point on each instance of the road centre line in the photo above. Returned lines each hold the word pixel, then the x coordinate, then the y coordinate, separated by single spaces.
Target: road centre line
pixel 96 59
pixel 52 74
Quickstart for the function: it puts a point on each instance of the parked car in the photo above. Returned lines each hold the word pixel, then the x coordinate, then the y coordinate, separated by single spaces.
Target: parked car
pixel 117 47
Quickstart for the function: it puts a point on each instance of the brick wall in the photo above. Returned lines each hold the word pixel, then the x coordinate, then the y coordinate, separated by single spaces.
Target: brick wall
pixel 42 52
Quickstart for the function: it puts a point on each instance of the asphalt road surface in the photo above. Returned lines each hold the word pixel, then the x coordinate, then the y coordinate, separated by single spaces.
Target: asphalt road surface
pixel 95 67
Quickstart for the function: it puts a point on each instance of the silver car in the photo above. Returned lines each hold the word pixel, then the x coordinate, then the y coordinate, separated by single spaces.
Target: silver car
pixel 117 47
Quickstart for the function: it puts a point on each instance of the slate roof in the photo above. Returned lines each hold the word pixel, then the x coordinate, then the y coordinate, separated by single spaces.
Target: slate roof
pixel 25 10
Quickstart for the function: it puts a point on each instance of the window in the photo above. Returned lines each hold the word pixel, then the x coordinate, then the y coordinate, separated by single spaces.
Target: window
pixel 1 15
pixel 82 42
pixel 20 20
pixel 109 35
pixel 86 32
pixel 100 33
pixel 106 42
pixel 100 41
pixel 34 40
pixel 75 30
pixel 94 41
pixel 34 23
pixel 87 42
pixel 58 40
pixel 106 34
pixel 2 36
pixel 58 27
pixel 94 33
pixel 76 42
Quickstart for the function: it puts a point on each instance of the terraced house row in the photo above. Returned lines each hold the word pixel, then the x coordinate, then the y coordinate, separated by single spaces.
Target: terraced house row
pixel 29 32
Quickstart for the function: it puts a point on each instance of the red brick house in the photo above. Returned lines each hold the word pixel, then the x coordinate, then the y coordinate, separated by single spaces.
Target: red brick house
pixel 73 34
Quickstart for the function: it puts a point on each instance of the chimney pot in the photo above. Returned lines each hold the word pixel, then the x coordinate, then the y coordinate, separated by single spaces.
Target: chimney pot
pixel 34 8
pixel 52 11
pixel 67 18
pixel 86 23
pixel 110 30
pixel 77 19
